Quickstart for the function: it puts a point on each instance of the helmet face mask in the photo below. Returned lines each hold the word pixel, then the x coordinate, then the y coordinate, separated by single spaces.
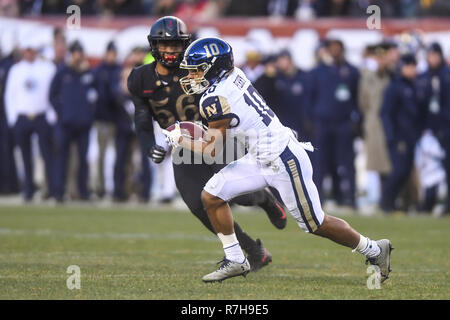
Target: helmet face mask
pixel 169 52
pixel 207 61
pixel 195 82
pixel 168 31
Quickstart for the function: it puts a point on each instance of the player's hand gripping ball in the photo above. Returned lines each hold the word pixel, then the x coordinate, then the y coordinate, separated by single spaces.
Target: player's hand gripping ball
pixel 190 130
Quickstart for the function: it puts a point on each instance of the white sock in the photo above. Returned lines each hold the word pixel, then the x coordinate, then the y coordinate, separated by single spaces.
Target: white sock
pixel 232 248
pixel 367 247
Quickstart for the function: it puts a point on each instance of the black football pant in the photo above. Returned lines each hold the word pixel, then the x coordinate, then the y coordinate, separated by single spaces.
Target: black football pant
pixel 190 180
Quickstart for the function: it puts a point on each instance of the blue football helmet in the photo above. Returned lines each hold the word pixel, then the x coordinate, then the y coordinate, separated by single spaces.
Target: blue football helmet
pixel 213 57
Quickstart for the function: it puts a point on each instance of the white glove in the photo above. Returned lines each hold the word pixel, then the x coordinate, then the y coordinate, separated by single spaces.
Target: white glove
pixel 307 146
pixel 173 137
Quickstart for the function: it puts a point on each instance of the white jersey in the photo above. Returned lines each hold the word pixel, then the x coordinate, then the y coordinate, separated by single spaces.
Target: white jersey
pixel 235 97
pixel 27 89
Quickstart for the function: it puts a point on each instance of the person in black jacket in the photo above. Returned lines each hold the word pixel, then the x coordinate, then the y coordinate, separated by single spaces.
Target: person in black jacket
pixel 73 95
pixel 157 95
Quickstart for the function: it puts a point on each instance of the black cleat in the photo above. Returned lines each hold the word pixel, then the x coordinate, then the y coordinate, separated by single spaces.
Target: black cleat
pixel 276 211
pixel 258 256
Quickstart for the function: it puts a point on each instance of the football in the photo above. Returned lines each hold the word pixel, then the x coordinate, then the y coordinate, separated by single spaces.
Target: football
pixel 190 130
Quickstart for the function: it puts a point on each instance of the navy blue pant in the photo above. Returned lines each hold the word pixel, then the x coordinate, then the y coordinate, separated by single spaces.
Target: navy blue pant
pixel 402 160
pixel 23 130
pixel 124 142
pixel 8 171
pixel 65 135
pixel 335 157
pixel 123 150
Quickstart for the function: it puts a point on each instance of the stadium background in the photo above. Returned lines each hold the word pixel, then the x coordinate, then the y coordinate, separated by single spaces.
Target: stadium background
pixel 300 31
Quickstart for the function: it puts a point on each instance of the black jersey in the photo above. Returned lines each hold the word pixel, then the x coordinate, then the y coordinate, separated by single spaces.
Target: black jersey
pixel 160 97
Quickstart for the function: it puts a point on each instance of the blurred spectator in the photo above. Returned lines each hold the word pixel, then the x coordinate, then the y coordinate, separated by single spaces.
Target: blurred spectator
pixel 392 57
pixel 370 58
pixel 291 89
pixel 194 9
pixel 201 9
pixel 437 85
pixel 164 8
pixel 52 6
pixel 120 7
pixel 327 8
pixel 253 68
pixel 8 171
pixel 282 8
pixel 403 115
pixel 28 110
pixel 107 79
pixel 73 96
pixel 59 47
pixel 428 160
pixel 265 84
pixel 249 8
pixel 333 99
pixel 144 175
pixel 435 8
pixel 9 8
pixel 372 85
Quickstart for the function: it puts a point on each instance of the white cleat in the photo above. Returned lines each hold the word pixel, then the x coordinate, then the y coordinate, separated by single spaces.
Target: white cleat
pixel 228 269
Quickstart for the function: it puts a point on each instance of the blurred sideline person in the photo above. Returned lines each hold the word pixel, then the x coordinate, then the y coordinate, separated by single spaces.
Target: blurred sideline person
pixel 9 182
pixel 139 178
pixel 403 117
pixel 291 87
pixel 266 82
pixel 333 99
pixel 253 66
pixel 28 111
pixel 107 79
pixel 372 85
pixel 275 158
pixel 157 95
pixel 73 96
pixel 437 83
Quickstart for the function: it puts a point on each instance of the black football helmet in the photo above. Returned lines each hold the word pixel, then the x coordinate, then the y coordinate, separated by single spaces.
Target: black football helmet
pixel 168 28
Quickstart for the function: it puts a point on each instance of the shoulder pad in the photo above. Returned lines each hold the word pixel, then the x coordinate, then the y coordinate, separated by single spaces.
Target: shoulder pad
pixel 215 108
pixel 141 78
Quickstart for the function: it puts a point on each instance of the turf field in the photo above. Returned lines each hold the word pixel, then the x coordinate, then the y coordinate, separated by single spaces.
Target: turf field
pixel 141 254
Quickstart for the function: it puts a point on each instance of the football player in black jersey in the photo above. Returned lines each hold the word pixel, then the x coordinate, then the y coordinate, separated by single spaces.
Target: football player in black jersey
pixel 157 94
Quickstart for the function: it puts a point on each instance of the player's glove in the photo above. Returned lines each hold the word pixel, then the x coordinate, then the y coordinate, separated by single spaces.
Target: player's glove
pixel 173 136
pixel 157 153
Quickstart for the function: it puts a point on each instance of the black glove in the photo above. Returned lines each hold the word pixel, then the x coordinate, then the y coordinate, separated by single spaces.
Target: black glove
pixel 157 153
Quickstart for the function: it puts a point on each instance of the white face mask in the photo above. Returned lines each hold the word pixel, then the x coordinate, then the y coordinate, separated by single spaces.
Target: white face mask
pixel 194 85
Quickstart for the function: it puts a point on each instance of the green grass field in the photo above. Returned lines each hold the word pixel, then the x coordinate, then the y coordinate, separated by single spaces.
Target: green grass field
pixel 142 254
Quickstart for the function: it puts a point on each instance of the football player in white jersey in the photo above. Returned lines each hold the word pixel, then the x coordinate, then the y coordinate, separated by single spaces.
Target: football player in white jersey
pixel 275 158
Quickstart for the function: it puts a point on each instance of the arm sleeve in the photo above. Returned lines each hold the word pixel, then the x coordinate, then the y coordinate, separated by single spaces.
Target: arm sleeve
pixel 142 116
pixel 11 112
pixel 54 93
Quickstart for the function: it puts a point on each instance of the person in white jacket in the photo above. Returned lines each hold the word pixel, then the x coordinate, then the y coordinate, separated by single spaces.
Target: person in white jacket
pixel 29 111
